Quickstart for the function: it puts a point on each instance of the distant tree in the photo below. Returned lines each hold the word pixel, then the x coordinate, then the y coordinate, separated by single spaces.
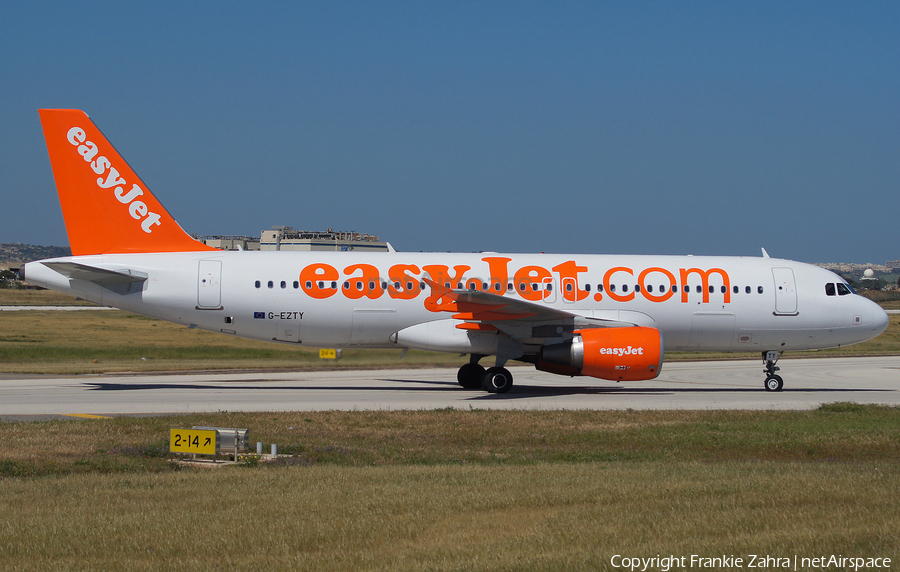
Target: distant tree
pixel 877 284
pixel 7 278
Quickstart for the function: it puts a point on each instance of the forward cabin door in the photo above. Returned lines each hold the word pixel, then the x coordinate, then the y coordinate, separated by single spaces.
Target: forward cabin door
pixel 209 285
pixel 785 292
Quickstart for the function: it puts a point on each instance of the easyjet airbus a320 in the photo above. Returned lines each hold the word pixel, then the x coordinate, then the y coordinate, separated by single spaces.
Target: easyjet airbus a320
pixel 609 317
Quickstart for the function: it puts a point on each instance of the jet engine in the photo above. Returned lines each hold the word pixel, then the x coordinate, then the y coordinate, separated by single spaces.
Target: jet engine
pixel 617 354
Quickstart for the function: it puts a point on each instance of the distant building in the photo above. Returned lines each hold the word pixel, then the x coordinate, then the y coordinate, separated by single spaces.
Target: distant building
pixel 231 242
pixel 287 238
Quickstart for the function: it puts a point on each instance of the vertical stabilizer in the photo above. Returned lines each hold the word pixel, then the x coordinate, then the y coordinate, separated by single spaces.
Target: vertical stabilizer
pixel 107 208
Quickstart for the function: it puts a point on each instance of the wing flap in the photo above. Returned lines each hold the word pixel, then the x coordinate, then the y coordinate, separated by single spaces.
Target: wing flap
pixel 519 319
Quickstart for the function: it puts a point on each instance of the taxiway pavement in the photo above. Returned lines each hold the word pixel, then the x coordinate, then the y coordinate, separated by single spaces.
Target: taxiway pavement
pixel 682 385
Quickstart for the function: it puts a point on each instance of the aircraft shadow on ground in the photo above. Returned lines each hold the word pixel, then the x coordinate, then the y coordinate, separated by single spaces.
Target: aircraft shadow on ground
pixel 415 385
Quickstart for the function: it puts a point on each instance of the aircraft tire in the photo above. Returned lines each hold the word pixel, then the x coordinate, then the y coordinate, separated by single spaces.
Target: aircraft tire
pixel 471 376
pixel 774 383
pixel 497 380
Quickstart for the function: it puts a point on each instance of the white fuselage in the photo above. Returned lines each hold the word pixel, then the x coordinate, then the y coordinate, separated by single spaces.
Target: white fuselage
pixel 338 299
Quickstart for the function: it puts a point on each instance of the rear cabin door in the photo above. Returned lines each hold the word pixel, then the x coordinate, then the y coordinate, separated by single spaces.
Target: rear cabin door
pixel 209 285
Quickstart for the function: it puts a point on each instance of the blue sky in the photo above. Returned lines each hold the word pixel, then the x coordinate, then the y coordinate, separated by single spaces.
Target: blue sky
pixel 632 127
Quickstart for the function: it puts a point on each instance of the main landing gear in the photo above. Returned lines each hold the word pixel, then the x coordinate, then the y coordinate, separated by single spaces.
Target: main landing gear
pixel 475 376
pixel 773 382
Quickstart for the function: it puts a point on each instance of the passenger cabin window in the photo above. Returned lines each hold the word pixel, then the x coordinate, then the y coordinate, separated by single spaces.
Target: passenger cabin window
pixel 257 284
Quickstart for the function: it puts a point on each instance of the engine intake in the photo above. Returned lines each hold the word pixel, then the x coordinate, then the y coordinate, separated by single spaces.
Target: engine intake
pixel 617 354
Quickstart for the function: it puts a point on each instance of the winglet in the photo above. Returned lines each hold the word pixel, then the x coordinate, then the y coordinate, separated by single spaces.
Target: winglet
pixel 765 254
pixel 107 208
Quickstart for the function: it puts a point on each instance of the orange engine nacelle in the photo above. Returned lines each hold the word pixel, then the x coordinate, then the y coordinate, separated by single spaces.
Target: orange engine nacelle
pixel 618 354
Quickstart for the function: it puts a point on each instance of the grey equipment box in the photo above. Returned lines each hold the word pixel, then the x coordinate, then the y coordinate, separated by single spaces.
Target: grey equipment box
pixel 227 437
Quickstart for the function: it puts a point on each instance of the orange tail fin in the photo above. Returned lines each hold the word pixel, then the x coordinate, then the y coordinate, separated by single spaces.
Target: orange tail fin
pixel 107 208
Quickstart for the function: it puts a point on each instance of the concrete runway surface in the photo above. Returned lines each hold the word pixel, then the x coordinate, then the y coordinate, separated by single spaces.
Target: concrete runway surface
pixel 682 385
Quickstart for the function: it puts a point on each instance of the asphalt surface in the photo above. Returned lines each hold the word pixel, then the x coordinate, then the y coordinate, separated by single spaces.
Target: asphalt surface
pixel 682 385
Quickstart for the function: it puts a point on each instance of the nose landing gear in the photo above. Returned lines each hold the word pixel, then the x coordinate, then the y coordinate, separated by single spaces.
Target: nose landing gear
pixel 773 382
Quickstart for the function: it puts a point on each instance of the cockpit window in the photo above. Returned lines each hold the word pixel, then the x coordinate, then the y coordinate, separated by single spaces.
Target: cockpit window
pixel 829 289
pixel 843 289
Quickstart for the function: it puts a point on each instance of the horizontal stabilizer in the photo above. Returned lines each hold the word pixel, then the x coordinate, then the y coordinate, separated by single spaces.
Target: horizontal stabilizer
pixel 119 281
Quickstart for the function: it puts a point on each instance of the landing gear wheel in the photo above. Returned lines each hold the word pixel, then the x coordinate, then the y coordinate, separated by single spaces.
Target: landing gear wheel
pixel 497 380
pixel 470 376
pixel 774 383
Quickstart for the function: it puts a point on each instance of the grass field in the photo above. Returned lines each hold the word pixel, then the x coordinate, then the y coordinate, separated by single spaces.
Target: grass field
pixel 423 490
pixel 454 490
pixel 106 341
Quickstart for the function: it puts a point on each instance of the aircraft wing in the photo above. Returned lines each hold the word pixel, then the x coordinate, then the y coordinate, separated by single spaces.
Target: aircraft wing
pixel 525 321
pixel 524 327
pixel 483 307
